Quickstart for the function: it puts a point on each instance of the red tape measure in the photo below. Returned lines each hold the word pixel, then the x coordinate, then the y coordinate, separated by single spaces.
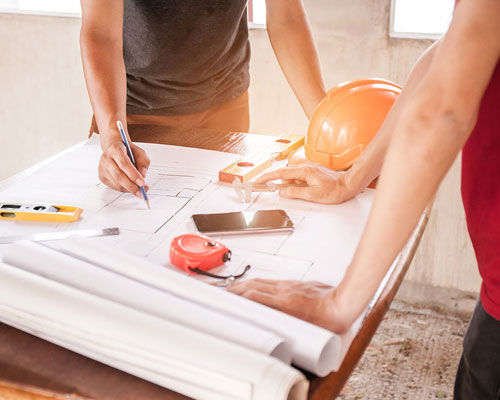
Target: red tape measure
pixel 196 252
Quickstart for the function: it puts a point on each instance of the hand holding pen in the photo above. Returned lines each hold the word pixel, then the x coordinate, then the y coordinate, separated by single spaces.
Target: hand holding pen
pixel 130 155
pixel 116 170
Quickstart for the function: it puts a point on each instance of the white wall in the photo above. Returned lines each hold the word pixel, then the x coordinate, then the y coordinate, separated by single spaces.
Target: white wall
pixel 43 103
pixel 44 107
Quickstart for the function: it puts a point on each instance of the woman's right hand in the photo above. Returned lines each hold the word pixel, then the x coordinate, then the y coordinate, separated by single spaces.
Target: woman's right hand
pixel 117 171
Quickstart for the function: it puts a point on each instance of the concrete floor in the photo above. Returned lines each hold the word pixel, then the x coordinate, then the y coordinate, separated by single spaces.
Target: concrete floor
pixel 414 356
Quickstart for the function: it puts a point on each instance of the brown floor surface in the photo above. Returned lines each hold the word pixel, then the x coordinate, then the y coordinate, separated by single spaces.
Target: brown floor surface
pixel 414 356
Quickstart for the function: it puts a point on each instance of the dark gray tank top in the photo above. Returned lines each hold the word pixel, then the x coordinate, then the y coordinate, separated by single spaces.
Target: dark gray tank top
pixel 184 56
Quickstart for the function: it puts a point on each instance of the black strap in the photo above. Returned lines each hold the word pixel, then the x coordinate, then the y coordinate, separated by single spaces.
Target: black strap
pixel 201 272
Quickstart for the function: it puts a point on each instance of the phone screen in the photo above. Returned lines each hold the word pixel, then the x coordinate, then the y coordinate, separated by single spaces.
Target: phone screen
pixel 243 222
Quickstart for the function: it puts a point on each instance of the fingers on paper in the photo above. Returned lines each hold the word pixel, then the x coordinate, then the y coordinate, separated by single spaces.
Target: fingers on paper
pixel 319 193
pixel 296 298
pixel 123 161
pixel 297 192
pixel 269 176
pixel 295 173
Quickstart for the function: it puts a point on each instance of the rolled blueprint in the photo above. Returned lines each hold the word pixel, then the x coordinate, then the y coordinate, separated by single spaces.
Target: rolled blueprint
pixel 45 261
pixel 313 348
pixel 189 362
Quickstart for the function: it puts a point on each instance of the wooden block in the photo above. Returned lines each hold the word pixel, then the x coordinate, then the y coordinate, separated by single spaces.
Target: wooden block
pixel 257 162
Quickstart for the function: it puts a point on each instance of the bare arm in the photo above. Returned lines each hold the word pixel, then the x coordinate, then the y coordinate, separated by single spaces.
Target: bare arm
pixel 290 35
pixel 367 167
pixel 101 42
pixel 432 128
pixel 101 45
pixel 430 132
pixel 332 188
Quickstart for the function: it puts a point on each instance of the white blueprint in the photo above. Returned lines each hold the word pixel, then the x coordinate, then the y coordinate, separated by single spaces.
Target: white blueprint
pixel 183 181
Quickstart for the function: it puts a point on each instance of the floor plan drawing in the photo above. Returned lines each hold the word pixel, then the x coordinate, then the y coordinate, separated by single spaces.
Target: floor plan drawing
pixel 182 182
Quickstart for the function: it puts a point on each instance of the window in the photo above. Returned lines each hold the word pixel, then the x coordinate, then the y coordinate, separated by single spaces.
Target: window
pixel 424 19
pixel 257 13
pixel 51 7
pixel 256 9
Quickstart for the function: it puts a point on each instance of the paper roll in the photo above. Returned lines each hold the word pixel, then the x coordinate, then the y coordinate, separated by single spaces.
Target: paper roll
pixel 189 362
pixel 313 348
pixel 45 261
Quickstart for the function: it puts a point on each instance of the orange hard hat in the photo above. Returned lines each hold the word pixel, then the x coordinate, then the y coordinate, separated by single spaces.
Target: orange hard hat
pixel 345 121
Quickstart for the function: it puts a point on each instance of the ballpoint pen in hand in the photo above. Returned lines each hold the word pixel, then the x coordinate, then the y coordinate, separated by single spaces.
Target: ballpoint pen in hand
pixel 131 156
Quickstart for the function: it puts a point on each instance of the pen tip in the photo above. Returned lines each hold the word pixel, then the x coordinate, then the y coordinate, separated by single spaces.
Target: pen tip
pixel 147 203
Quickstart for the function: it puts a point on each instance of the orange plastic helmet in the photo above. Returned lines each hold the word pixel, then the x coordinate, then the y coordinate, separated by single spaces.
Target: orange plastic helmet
pixel 345 121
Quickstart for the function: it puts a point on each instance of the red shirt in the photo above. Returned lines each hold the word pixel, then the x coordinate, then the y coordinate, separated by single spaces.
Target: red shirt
pixel 481 194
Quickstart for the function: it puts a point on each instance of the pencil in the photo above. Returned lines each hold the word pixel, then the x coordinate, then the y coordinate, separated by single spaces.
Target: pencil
pixel 131 156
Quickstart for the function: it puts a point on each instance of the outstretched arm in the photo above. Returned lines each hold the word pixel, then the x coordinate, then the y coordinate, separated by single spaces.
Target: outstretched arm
pixel 432 128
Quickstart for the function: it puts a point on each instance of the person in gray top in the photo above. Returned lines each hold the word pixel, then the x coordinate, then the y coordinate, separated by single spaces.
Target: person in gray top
pixel 173 62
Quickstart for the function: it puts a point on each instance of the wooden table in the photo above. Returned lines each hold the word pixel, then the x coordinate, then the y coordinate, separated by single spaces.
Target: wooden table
pixel 31 368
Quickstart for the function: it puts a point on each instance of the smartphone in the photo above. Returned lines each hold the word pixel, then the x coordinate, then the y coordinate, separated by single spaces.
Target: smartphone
pixel 243 222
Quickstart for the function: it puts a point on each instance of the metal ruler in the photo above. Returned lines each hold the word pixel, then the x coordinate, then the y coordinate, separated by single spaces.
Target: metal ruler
pixel 47 236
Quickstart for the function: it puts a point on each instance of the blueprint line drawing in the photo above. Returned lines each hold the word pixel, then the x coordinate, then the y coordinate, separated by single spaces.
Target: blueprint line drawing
pixel 183 182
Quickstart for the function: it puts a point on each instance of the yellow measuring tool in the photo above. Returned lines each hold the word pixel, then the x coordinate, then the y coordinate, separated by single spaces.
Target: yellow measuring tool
pixel 39 212
pixel 252 165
